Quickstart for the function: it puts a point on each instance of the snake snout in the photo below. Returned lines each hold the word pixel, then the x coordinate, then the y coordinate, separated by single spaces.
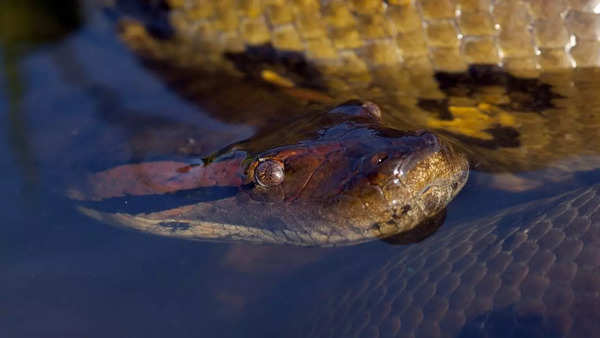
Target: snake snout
pixel 428 145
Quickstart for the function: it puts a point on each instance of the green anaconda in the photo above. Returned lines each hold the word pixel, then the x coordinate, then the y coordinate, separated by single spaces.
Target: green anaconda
pixel 505 113
pixel 511 80
pixel 528 271
pixel 323 179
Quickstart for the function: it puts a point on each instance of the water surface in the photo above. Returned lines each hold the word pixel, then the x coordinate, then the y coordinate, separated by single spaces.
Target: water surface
pixel 63 99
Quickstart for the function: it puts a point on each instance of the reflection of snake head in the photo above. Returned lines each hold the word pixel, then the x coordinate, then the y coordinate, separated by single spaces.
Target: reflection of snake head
pixel 360 175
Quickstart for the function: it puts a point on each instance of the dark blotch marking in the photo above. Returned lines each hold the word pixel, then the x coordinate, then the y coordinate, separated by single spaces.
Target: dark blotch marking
pixel 507 137
pixel 417 234
pixel 160 202
pixel 154 14
pixel 290 64
pixel 526 96
pixel 405 209
pixel 440 107
pixel 175 226
pixel 502 137
pixel 507 322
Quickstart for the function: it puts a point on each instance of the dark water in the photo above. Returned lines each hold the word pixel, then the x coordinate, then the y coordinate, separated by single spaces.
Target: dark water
pixel 64 275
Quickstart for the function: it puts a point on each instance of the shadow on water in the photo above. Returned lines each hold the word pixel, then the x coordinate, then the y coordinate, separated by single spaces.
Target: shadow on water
pixel 25 25
pixel 508 323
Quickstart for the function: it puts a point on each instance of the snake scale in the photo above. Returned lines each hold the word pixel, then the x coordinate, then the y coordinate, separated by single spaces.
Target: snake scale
pixel 528 271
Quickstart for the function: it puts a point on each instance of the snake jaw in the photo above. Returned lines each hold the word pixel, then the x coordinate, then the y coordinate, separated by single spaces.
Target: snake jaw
pixel 422 183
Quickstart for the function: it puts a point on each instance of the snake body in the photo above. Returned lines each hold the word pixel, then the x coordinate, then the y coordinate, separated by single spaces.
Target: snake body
pixel 510 80
pixel 528 271
pixel 349 40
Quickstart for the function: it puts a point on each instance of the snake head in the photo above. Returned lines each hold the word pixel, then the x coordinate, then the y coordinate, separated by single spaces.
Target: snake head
pixel 360 176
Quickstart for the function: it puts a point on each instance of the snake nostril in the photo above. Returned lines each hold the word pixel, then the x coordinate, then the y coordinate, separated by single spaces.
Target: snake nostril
pixel 379 158
pixel 372 109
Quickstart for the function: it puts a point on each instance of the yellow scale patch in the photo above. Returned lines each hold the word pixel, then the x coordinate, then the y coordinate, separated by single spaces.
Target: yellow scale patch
pixel 473 121
pixel 274 78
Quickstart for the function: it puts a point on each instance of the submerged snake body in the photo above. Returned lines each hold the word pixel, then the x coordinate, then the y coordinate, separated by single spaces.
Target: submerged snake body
pixel 528 271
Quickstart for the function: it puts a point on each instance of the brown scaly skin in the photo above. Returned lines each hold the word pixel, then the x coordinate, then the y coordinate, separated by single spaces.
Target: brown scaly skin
pixel 505 80
pixel 346 180
pixel 532 270
pixel 528 271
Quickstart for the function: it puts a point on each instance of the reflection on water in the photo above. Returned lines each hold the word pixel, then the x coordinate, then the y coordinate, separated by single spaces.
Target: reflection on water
pixel 80 100
pixel 23 25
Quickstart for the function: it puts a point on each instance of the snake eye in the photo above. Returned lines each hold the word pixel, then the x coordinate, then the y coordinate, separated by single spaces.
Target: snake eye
pixel 269 173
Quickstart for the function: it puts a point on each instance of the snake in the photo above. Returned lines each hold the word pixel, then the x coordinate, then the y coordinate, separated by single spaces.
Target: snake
pixel 510 81
pixel 328 179
pixel 532 270
pixel 506 81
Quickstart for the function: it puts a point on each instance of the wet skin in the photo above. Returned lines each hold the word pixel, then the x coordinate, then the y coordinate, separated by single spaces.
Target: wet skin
pixel 325 179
